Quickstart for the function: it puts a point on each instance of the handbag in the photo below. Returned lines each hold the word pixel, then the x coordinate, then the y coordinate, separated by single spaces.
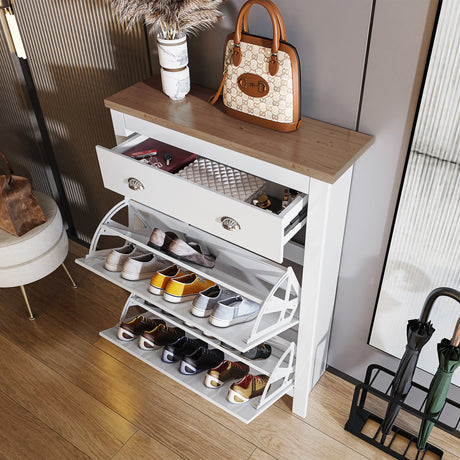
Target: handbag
pixel 261 80
pixel 19 209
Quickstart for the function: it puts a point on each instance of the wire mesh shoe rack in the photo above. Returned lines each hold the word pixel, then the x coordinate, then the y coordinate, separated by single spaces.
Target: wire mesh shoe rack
pixel 273 286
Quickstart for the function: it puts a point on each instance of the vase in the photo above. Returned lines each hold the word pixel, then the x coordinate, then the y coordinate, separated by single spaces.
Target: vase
pixel 175 74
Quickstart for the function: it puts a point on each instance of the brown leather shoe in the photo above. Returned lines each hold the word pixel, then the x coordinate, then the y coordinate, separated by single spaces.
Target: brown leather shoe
pixel 224 372
pixel 247 388
pixel 129 330
pixel 159 337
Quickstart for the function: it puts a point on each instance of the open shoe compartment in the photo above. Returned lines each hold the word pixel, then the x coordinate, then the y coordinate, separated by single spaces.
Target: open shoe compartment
pixel 279 366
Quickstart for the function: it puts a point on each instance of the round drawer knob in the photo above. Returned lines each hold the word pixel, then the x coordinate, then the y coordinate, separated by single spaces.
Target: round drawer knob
pixel 230 224
pixel 135 184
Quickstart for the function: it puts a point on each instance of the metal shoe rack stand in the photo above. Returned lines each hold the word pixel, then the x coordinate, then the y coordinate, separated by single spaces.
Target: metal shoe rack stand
pixel 359 416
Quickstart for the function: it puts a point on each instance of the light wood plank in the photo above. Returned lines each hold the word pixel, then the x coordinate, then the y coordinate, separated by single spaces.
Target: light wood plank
pixel 25 436
pixel 275 431
pixel 71 412
pixel 317 149
pixel 259 454
pixel 328 412
pixel 136 398
pixel 143 446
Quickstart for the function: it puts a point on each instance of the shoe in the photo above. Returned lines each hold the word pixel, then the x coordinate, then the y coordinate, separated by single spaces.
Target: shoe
pixel 247 388
pixel 161 240
pixel 234 311
pixel 185 288
pixel 261 351
pixel 224 372
pixel 200 360
pixel 159 337
pixel 142 267
pixel 191 252
pixel 117 257
pixel 162 277
pixel 129 330
pixel 180 348
pixel 205 301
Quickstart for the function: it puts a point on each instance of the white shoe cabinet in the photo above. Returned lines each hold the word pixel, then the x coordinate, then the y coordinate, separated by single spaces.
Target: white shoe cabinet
pixel 253 256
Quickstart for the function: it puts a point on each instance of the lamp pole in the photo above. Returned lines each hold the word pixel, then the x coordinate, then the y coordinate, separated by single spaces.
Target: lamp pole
pixel 19 58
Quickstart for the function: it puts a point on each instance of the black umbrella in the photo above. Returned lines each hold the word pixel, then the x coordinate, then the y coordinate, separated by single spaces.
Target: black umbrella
pixel 419 331
pixel 418 334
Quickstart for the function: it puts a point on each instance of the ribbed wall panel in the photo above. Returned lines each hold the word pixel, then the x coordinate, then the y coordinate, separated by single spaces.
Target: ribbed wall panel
pixel 79 55
pixel 17 138
pixel 425 247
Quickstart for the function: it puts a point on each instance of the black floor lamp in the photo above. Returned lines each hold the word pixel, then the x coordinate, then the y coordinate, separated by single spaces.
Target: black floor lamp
pixel 22 69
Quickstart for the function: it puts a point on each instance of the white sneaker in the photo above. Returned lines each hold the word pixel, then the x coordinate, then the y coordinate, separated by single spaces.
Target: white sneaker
pixel 142 266
pixel 234 310
pixel 117 257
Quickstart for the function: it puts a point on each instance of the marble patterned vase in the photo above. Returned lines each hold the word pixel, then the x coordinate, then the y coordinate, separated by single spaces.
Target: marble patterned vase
pixel 175 74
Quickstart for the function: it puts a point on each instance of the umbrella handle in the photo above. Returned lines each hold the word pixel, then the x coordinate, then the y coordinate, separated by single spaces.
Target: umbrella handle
pixel 456 337
pixel 432 296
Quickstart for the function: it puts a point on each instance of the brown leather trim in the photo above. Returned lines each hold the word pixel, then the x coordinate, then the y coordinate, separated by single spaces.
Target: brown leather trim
pixel 276 125
pixel 278 16
pixel 214 98
pixel 275 42
pixel 295 65
pixel 253 85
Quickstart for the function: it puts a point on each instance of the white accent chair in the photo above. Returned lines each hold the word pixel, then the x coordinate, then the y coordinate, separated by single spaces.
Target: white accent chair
pixel 36 254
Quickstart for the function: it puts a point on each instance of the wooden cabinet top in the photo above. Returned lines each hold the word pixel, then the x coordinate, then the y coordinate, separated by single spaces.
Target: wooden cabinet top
pixel 316 149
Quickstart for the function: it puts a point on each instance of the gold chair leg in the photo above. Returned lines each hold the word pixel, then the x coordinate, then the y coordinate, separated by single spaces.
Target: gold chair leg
pixel 74 284
pixel 31 317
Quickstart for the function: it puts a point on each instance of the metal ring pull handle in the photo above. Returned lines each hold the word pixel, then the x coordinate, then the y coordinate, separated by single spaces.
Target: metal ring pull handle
pixel 230 224
pixel 135 184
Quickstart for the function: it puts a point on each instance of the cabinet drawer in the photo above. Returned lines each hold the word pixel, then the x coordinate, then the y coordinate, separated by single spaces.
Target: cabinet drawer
pixel 255 229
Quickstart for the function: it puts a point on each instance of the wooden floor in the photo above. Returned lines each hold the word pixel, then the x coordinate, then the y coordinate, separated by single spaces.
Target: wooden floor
pixel 67 393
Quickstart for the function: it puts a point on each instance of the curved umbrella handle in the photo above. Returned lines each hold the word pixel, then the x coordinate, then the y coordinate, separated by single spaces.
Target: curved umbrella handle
pixel 432 296
pixel 455 342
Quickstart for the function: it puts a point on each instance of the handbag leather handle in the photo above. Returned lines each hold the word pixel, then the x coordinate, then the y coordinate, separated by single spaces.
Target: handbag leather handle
pixel 10 171
pixel 279 17
pixel 273 65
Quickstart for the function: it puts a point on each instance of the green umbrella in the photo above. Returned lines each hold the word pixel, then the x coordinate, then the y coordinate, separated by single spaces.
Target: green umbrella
pixel 449 360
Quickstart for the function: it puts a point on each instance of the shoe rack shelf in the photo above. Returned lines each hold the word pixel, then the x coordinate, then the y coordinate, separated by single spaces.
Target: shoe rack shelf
pixel 278 344
pixel 295 318
pixel 237 269
pixel 238 336
pixel 280 381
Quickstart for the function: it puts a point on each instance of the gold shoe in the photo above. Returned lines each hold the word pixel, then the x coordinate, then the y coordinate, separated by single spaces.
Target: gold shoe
pixel 248 387
pixel 185 288
pixel 162 277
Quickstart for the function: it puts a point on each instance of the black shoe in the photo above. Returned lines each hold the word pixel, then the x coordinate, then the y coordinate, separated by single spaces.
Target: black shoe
pixel 262 351
pixel 180 348
pixel 201 360
pixel 159 337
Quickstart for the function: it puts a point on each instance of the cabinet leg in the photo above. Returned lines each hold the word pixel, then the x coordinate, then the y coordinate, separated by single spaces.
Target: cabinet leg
pixel 327 211
pixel 31 316
pixel 74 284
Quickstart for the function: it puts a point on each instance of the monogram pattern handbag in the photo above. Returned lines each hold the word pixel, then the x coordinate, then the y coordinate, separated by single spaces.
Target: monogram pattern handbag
pixel 19 209
pixel 261 82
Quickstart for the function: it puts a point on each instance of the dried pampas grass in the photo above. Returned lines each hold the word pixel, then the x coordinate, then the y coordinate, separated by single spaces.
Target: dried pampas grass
pixel 170 17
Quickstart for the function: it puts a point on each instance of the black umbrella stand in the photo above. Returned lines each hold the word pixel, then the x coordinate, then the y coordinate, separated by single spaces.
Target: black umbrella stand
pixel 382 383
